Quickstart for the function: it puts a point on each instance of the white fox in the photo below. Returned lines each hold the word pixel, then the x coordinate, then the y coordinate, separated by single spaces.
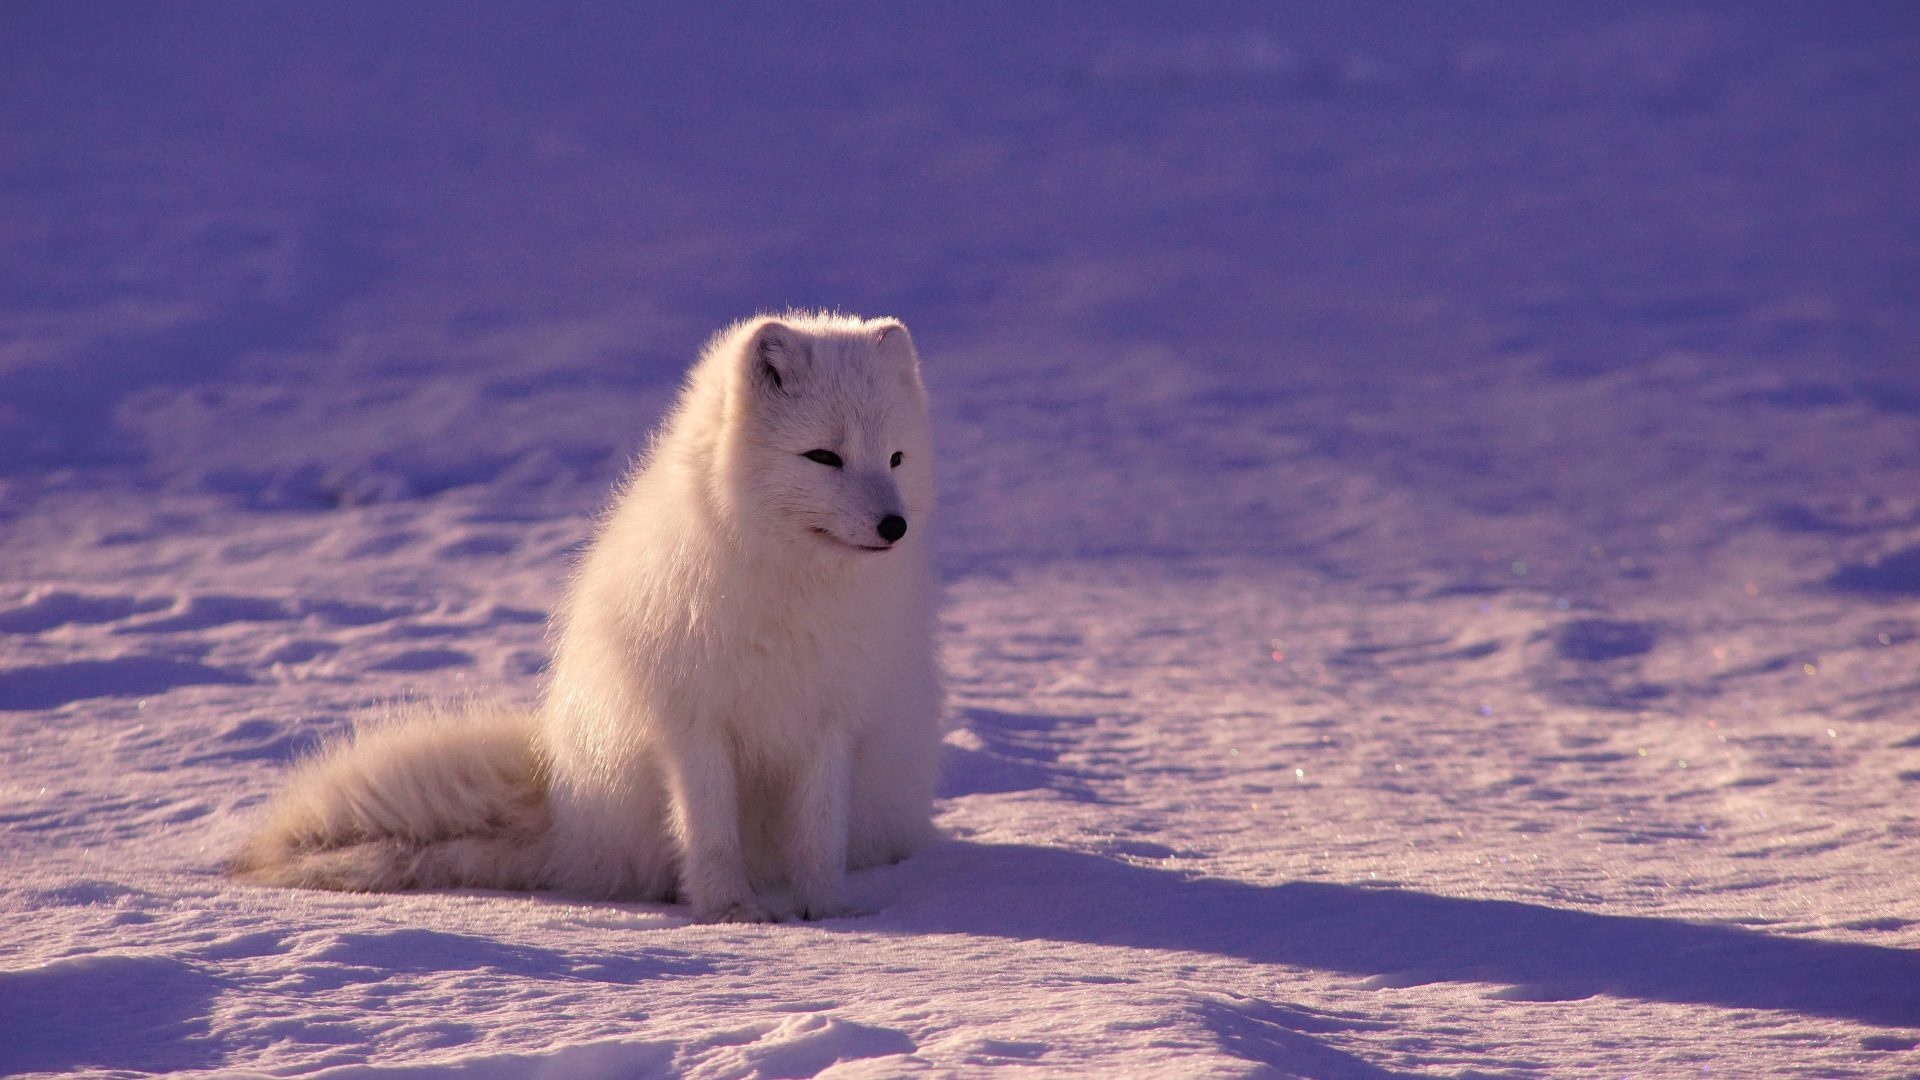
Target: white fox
pixel 744 699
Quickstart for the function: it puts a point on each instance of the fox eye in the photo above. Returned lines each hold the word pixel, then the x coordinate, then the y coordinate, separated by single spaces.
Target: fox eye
pixel 894 461
pixel 824 457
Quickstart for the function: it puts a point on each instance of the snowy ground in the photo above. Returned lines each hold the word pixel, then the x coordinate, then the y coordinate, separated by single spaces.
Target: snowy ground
pixel 1431 525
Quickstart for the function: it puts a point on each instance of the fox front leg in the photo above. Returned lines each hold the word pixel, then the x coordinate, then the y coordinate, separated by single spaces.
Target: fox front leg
pixel 815 831
pixel 706 822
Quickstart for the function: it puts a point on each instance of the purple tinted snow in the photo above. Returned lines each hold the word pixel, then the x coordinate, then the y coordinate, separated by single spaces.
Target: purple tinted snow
pixel 146 1014
pixel 46 610
pixel 1022 172
pixel 49 686
pixel 374 956
pixel 1892 575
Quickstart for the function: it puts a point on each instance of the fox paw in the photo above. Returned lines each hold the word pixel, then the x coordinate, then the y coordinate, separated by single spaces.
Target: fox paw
pixel 735 911
pixel 829 910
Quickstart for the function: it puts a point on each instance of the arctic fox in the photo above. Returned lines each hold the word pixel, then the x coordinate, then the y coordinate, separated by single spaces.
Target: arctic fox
pixel 744 700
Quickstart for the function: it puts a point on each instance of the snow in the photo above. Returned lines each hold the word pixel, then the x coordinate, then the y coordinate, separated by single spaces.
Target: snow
pixel 1430 527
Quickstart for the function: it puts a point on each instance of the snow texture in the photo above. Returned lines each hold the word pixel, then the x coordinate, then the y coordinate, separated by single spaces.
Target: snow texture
pixel 1430 531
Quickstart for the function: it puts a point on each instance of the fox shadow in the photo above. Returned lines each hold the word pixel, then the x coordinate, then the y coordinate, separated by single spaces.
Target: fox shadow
pixel 1535 952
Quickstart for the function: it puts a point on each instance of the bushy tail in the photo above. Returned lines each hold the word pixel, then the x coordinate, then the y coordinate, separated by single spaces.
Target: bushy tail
pixel 432 799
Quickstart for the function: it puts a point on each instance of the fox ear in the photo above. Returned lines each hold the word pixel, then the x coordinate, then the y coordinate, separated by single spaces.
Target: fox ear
pixel 775 355
pixel 894 341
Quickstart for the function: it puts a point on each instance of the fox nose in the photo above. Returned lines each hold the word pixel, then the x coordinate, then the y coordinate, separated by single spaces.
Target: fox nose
pixel 892 527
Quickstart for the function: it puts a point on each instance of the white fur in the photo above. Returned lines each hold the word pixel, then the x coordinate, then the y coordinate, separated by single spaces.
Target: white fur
pixel 744 698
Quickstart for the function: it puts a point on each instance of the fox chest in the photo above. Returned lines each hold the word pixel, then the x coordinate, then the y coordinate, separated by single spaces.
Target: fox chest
pixel 778 679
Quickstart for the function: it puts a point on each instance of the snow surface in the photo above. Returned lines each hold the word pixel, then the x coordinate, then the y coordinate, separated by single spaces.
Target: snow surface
pixel 1431 525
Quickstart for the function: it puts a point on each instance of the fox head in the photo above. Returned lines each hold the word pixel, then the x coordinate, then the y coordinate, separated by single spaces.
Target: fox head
pixel 830 441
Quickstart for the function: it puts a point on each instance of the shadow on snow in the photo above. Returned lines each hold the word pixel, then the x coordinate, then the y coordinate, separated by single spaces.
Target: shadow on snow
pixel 1540 953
